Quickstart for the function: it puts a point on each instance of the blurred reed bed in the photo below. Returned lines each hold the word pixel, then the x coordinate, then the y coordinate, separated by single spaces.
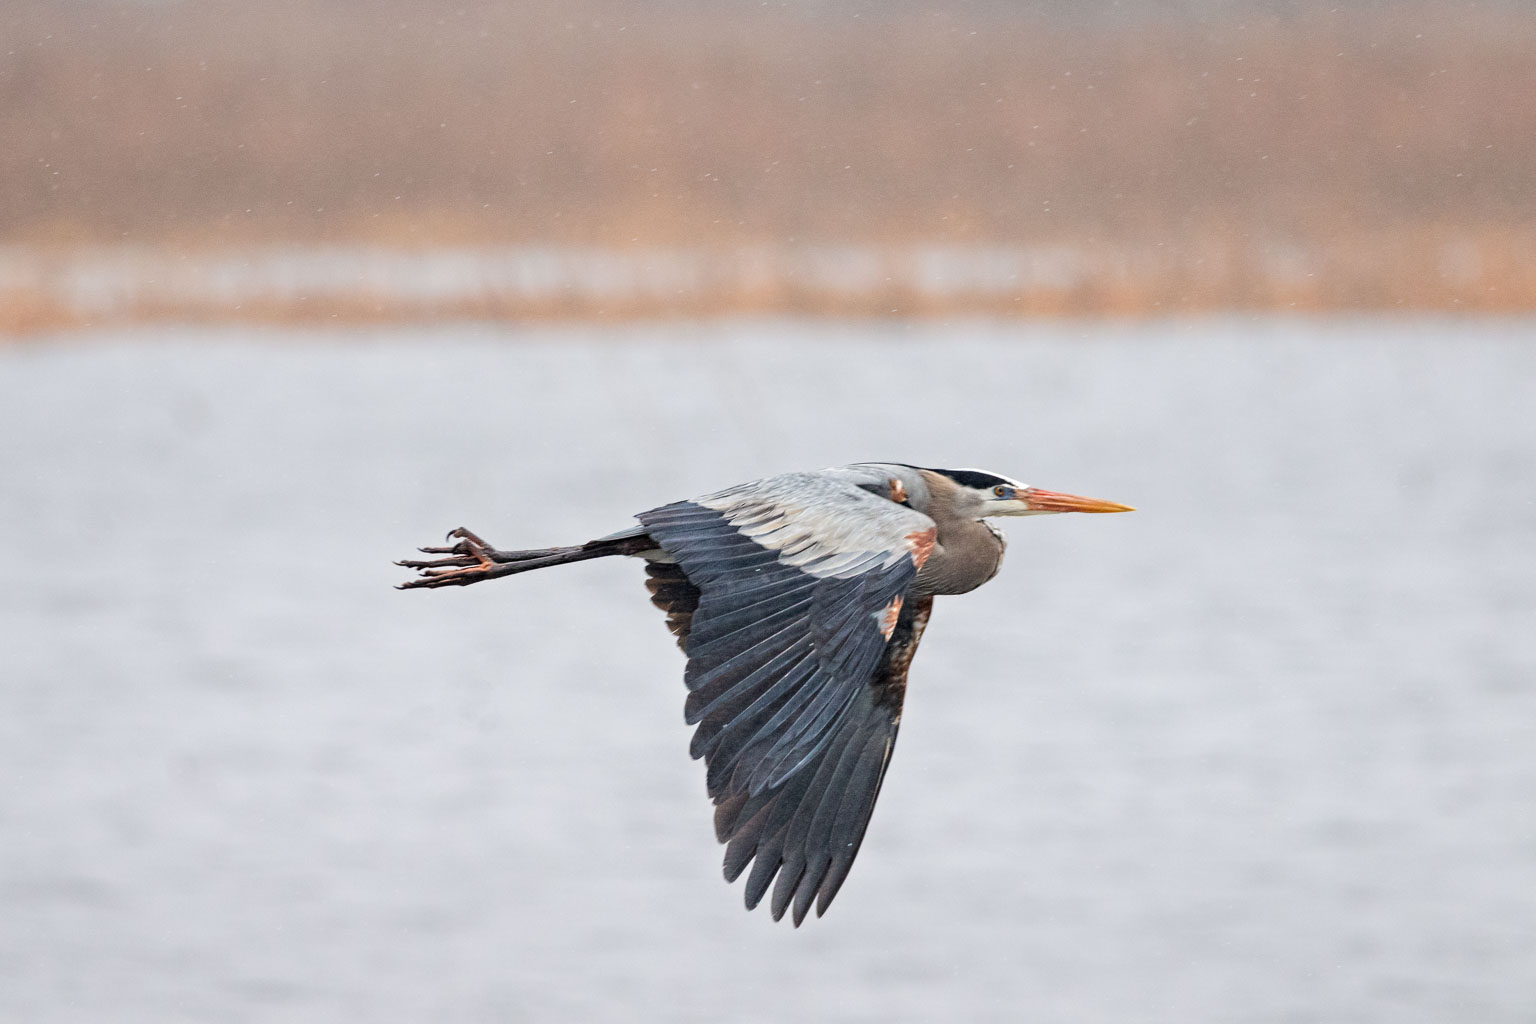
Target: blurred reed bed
pixel 307 159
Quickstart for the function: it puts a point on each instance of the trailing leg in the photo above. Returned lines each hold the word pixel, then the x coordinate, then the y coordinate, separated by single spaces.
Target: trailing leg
pixel 472 560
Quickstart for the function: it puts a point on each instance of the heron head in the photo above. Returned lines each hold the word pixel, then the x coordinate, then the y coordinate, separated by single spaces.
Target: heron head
pixel 986 494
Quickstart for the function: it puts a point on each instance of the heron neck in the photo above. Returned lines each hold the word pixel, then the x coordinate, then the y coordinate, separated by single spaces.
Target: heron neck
pixel 967 552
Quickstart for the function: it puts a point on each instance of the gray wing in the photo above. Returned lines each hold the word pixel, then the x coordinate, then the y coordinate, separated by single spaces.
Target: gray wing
pixel 786 596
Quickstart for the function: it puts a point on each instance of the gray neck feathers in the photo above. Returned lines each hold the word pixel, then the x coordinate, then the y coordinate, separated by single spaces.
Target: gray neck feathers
pixel 968 552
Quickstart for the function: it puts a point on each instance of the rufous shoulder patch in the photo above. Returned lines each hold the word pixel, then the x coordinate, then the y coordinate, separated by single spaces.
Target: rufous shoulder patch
pixel 921 543
pixel 889 616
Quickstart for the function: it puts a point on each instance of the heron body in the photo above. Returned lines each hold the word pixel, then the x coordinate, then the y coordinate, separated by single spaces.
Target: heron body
pixel 799 601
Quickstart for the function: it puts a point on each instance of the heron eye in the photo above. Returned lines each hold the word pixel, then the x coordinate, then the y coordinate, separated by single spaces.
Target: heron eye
pixel 1000 491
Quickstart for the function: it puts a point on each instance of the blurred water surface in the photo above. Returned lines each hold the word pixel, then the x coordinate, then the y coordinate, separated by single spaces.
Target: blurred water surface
pixel 1264 750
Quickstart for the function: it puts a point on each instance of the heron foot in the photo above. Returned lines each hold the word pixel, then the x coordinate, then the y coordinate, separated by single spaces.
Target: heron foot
pixel 467 561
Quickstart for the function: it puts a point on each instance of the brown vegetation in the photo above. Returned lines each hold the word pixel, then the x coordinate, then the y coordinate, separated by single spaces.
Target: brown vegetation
pixel 1324 160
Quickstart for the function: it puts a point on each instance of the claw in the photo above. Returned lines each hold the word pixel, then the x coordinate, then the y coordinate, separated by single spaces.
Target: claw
pixel 467 558
pixel 467 535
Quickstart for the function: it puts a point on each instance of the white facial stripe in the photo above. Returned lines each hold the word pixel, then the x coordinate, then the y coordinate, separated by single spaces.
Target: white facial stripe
pixel 1009 481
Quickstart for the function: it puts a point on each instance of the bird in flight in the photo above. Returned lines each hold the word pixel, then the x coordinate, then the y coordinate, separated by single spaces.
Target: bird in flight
pixel 799 601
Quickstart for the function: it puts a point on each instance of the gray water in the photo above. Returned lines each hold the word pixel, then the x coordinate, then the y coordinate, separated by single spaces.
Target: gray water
pixel 1264 750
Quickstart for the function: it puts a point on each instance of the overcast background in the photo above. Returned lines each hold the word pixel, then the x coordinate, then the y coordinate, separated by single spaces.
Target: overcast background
pixel 289 289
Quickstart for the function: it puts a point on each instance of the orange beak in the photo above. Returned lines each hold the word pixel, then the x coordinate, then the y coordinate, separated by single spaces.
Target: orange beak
pixel 1049 501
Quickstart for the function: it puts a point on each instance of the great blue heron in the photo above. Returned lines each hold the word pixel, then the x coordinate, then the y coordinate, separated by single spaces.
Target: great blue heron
pixel 799 601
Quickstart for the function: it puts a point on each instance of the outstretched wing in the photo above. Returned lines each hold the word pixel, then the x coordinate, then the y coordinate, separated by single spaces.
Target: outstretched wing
pixel 788 596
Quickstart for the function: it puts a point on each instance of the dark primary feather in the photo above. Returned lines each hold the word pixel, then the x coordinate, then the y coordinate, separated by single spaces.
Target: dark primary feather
pixel 809 829
pixel 793 686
